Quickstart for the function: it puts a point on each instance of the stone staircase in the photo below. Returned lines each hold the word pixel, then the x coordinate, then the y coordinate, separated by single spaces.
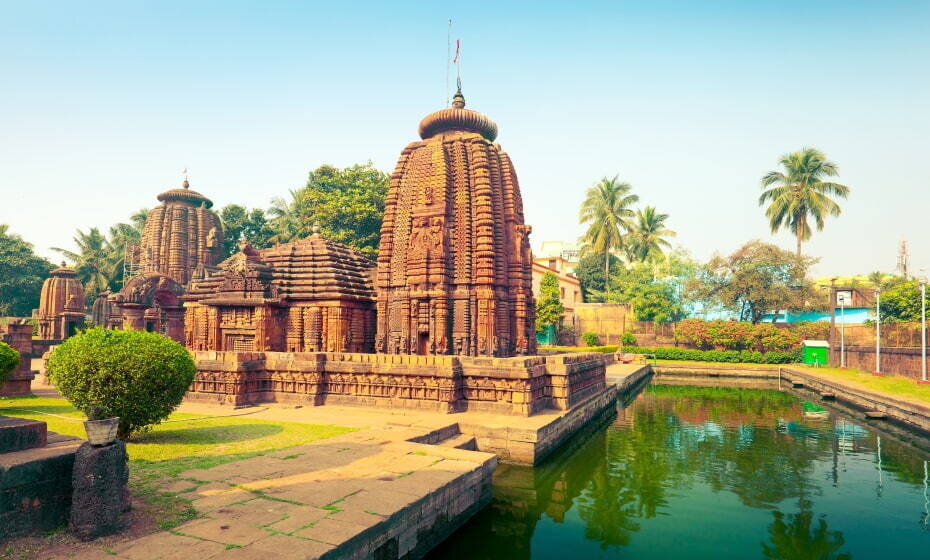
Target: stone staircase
pixel 447 436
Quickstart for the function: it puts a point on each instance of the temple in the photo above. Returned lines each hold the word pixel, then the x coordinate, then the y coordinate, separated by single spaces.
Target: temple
pixel 454 267
pixel 182 240
pixel 61 305
pixel 312 295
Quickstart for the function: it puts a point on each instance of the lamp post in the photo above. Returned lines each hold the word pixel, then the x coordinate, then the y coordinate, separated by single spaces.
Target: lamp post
pixel 843 332
pixel 878 334
pixel 923 331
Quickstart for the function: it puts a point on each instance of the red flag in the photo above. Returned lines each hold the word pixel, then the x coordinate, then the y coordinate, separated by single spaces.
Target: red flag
pixel 455 59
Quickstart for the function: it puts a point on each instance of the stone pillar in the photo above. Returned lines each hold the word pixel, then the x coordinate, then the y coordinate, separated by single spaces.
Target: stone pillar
pixel 19 337
pixel 101 494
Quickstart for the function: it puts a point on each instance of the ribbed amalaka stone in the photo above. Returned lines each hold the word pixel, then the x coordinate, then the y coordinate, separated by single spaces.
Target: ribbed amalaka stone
pixel 312 295
pixel 454 266
pixel 61 305
pixel 181 235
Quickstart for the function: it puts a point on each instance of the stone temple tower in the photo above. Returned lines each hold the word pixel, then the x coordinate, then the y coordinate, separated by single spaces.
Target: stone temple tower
pixel 454 266
pixel 181 235
pixel 61 305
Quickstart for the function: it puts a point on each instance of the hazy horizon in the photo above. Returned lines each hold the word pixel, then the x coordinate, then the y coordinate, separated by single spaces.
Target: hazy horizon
pixel 691 103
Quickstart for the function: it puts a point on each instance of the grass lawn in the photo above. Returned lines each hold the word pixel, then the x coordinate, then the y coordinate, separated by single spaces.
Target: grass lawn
pixel 895 385
pixel 181 443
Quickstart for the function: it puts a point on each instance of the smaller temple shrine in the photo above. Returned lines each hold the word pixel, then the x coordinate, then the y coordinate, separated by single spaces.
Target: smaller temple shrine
pixel 61 309
pixel 311 295
pixel 182 241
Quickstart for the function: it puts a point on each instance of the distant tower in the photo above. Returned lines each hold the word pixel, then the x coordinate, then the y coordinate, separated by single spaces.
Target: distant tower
pixel 903 259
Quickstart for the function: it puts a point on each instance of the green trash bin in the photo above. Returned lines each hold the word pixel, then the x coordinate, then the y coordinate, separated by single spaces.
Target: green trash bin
pixel 815 352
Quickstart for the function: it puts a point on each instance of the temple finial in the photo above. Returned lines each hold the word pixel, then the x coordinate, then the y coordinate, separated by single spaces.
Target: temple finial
pixel 458 100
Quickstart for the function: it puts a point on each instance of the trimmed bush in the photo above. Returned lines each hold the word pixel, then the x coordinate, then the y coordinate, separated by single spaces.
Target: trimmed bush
pixel 138 376
pixel 9 361
pixel 628 339
pixel 590 339
pixel 725 356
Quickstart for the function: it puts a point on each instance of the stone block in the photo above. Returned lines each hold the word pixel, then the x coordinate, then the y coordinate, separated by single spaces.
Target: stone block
pixel 101 494
pixel 17 434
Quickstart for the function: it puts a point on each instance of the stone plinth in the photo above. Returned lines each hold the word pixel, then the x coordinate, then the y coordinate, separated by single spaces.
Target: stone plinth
pixel 100 494
pixel 35 487
pixel 517 386
pixel 19 337
pixel 17 434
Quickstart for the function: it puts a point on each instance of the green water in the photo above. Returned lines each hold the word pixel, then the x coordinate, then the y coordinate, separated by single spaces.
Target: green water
pixel 689 472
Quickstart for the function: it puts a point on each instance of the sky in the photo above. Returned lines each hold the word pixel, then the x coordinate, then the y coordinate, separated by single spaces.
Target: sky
pixel 102 104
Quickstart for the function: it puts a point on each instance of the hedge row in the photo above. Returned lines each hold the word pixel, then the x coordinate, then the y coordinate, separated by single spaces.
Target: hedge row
pixel 727 356
pixel 687 354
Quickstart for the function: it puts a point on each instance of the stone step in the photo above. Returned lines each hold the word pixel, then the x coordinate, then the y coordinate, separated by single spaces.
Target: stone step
pixel 18 434
pixel 461 441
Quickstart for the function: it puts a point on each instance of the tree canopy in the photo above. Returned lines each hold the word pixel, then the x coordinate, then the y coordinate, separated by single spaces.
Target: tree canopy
pixel 240 223
pixel 549 308
pixel 21 275
pixel 347 204
pixel 656 300
pixel 757 279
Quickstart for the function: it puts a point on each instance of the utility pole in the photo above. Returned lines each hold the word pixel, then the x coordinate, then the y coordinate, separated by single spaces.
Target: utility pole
pixel 878 334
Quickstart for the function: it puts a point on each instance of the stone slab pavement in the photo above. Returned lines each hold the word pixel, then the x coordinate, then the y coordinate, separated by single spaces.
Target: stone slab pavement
pixel 327 499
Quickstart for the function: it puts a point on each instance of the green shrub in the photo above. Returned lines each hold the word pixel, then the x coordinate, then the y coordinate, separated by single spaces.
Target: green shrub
pixel 9 360
pixel 138 376
pixel 628 339
pixel 590 339
pixel 723 356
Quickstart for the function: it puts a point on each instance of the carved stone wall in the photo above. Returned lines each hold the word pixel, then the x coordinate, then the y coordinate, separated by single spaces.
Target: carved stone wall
pixel 521 386
pixel 308 296
pixel 454 266
pixel 61 305
pixel 149 302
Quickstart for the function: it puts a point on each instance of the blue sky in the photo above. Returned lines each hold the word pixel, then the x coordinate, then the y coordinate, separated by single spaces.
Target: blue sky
pixel 103 103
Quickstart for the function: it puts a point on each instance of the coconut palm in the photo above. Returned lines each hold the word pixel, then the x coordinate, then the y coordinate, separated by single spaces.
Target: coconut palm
pixel 93 262
pixel 139 218
pixel 648 236
pixel 285 218
pixel 606 208
pixel 798 194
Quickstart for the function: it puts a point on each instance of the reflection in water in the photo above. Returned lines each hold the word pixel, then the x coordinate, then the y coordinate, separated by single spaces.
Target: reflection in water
pixel 706 472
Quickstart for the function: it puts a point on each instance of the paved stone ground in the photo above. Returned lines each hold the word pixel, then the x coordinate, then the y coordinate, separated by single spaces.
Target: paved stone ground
pixel 311 501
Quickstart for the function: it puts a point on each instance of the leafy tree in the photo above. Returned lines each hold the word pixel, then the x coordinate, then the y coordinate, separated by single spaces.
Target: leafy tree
pixel 650 299
pixel 549 308
pixel 900 302
pixel 799 194
pixel 21 275
pixel 606 208
pixel 137 376
pixel 241 223
pixel 756 279
pixel 590 272
pixel 347 204
pixel 648 236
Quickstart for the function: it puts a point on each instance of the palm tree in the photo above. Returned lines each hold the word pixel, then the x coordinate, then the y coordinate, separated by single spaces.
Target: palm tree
pixel 285 217
pixel 799 193
pixel 648 235
pixel 606 208
pixel 93 262
pixel 139 218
